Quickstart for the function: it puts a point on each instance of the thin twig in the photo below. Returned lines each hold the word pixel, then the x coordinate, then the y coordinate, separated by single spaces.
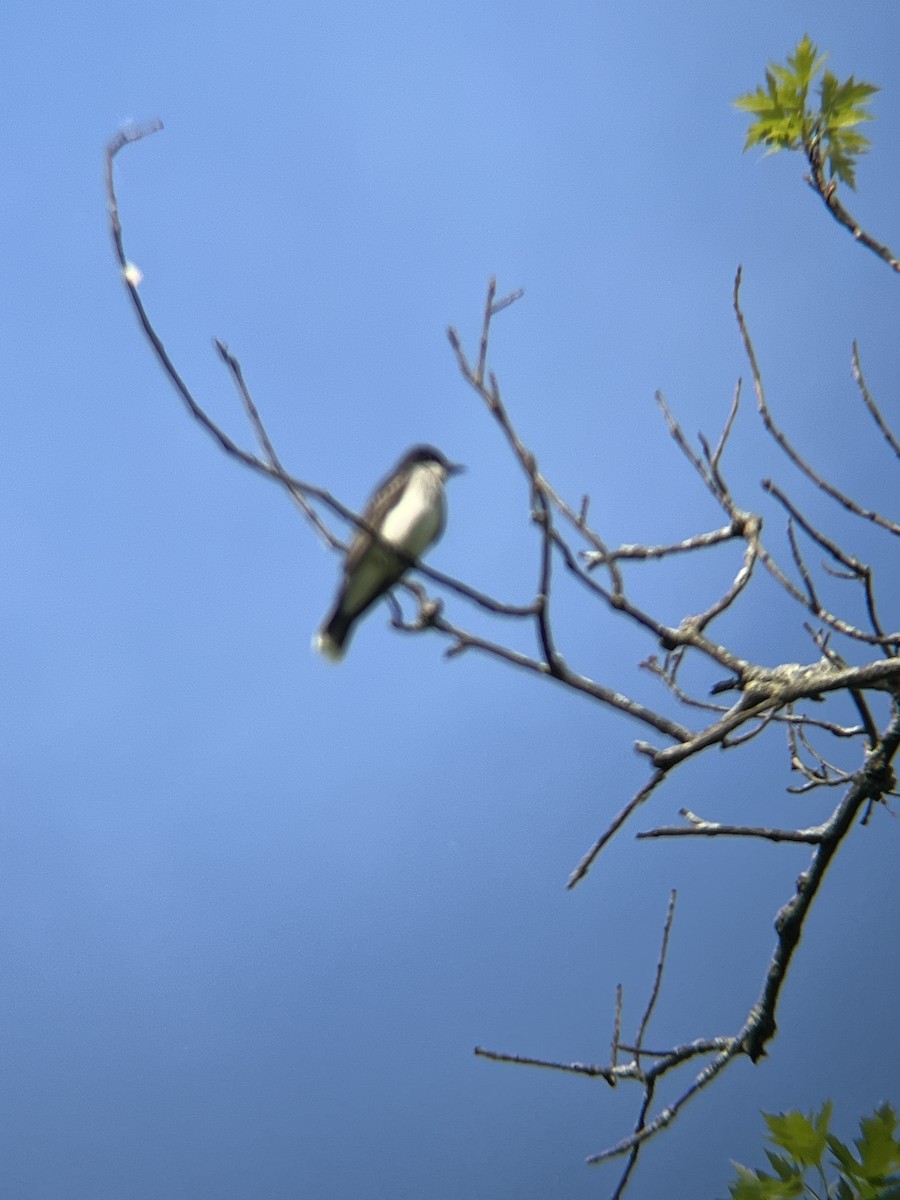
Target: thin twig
pixel 617 1029
pixel 726 432
pixel 870 404
pixel 657 980
pixel 265 442
pixel 858 570
pixel 617 822
pixel 667 1115
pixel 697 826
pixel 699 541
pixel 782 439
pixel 464 640
pixel 573 1068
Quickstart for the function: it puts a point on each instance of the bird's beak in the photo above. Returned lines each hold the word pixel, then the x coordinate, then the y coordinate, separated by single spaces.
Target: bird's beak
pixel 455 469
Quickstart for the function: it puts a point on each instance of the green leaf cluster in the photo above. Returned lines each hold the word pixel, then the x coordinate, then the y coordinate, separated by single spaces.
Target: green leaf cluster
pixel 873 1173
pixel 786 119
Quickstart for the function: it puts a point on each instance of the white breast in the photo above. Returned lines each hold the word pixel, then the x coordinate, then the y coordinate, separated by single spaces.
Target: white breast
pixel 418 517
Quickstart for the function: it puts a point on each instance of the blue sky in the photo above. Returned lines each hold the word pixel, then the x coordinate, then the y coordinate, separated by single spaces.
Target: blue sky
pixel 258 911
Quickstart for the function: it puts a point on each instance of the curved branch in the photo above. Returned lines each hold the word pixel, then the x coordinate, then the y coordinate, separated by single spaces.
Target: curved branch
pixel 827 193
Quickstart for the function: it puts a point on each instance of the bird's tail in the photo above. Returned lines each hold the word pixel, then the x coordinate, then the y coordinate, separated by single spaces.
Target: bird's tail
pixel 331 640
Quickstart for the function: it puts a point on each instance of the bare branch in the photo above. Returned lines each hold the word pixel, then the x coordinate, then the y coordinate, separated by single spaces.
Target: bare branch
pixel 617 1030
pixel 643 1132
pixel 716 456
pixel 545 520
pixel 268 449
pixel 800 564
pixel 271 467
pixel 574 1068
pixel 657 980
pixel 856 568
pixel 742 578
pixel 126 137
pixel 685 447
pixel 697 826
pixel 700 541
pixel 784 685
pixel 871 782
pixel 618 821
pixel 781 438
pixel 665 672
pixel 636 1149
pixel 871 405
pixel 828 194
pixel 887 640
pixel 464 640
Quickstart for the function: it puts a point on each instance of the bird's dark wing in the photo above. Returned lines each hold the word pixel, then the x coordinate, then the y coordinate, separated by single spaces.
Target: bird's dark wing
pixel 383 499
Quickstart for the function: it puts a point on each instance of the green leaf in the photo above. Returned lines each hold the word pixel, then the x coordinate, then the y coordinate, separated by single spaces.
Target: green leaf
pixel 747 1186
pixel 802 1137
pixel 878 1147
pixel 841 166
pixel 785 120
pixel 874 1175
pixel 757 1185
pixel 851 94
pixel 784 1168
pixel 843 1155
pixel 828 89
pixel 806 62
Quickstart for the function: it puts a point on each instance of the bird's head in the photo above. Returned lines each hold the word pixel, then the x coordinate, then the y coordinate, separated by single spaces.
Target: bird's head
pixel 428 456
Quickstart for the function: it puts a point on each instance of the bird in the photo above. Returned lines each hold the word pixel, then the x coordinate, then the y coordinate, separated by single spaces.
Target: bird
pixel 409 511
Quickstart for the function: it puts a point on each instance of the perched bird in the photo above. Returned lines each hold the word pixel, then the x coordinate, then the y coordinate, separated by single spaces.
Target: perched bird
pixel 408 511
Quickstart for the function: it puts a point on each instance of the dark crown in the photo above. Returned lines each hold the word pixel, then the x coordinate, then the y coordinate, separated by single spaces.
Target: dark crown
pixel 428 454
